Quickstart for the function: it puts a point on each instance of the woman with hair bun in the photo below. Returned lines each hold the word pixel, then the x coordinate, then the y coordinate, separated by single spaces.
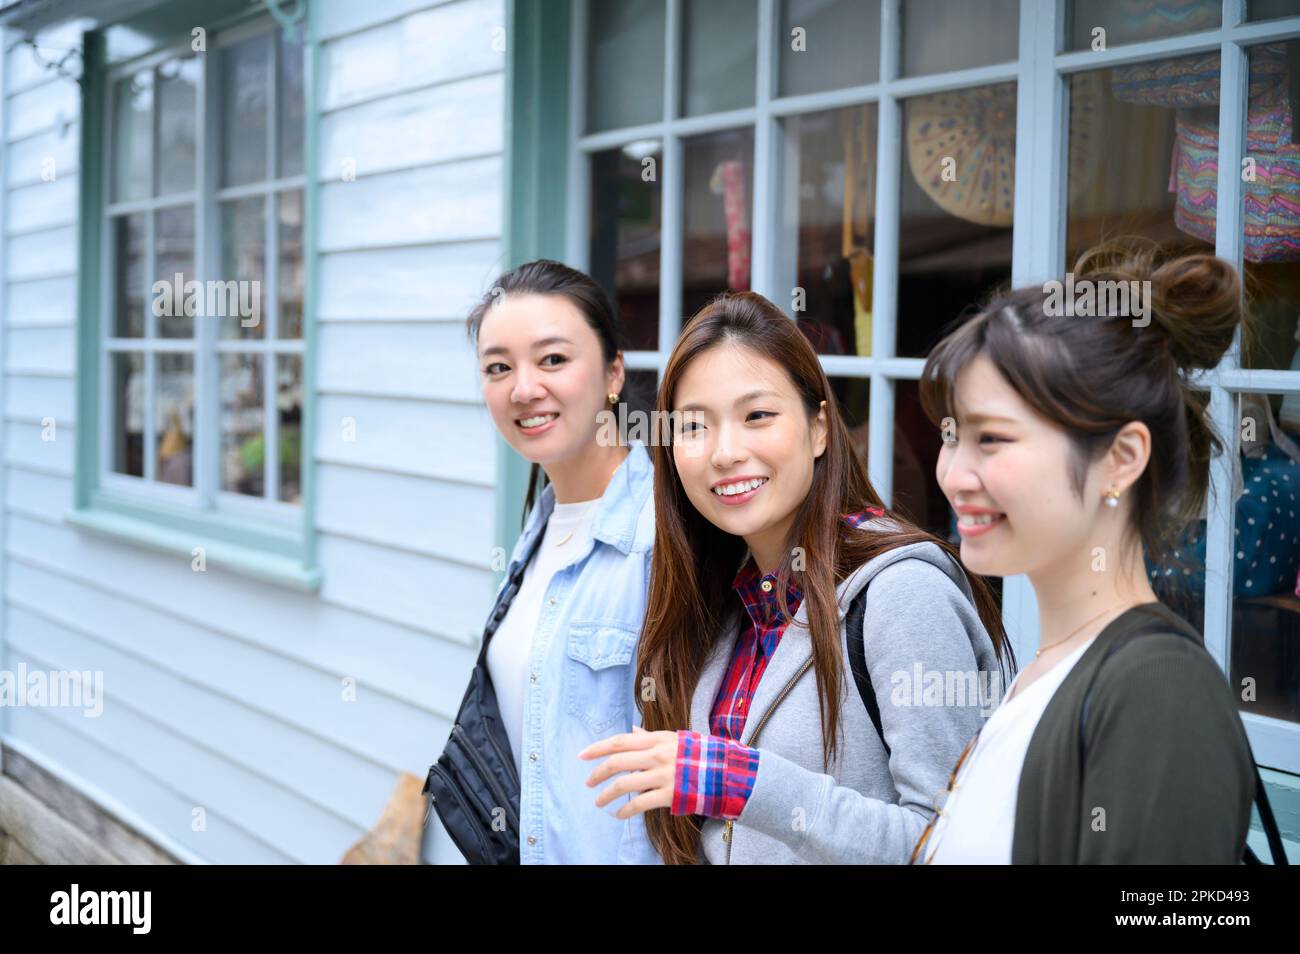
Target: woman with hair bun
pixel 1072 445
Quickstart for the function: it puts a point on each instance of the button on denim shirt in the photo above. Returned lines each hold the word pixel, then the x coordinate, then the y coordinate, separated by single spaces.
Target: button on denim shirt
pixel 581 672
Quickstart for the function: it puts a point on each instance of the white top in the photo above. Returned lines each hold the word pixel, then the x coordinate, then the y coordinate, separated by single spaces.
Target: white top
pixel 511 645
pixel 979 818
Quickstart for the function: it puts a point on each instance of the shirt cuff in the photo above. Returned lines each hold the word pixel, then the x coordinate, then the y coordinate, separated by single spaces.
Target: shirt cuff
pixel 714 776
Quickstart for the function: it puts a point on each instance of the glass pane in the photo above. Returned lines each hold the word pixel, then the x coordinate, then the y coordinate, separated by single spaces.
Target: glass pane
pixel 1167 116
pixel 1110 22
pixel 626 203
pixel 716 215
pixel 916 452
pixel 720 55
pixel 128 276
pixel 289 263
pixel 174 233
pixel 174 424
pixel 853 395
pixel 1271 220
pixel 243 421
pixel 288 403
pixel 290 119
pixel 126 371
pixel 828 45
pixel 177 111
pixel 957 198
pixel 1266 559
pixel 828 225
pixel 641 388
pixel 625 64
pixel 243 261
pixel 939 35
pixel 132 138
pixel 245 81
pixel 1271 9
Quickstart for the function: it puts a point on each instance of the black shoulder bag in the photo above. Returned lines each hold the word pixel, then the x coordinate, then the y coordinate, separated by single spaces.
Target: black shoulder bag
pixel 474 785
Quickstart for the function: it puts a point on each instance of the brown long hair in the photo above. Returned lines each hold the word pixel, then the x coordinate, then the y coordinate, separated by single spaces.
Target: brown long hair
pixel 694 562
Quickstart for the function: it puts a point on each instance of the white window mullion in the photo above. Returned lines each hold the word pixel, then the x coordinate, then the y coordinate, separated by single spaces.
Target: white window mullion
pixel 1228 244
pixel 766 150
pixel 884 280
pixel 207 411
pixel 672 177
pixel 577 240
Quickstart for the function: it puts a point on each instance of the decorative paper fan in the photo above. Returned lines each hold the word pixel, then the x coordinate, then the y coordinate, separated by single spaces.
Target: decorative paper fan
pixel 976 129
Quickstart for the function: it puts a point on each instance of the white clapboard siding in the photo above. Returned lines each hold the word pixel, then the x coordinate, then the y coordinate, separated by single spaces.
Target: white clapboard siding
pixel 25 446
pixel 285 716
pixel 41 205
pixel 41 350
pixel 437 595
pixel 303 763
pixel 437 124
pixel 450 441
pixel 45 254
pixel 51 105
pixel 468 36
pixel 112 778
pixel 450 202
pixel 42 301
pixel 433 517
pixel 37 158
pixel 427 360
pixel 400 661
pixel 37 396
pixel 418 282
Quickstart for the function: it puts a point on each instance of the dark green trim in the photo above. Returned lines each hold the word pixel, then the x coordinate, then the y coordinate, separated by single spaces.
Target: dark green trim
pixel 536 164
pixel 89 287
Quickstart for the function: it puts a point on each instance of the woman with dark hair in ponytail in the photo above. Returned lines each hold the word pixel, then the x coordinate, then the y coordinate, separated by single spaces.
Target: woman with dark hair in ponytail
pixel 811 664
pixel 1072 444
pixel 559 662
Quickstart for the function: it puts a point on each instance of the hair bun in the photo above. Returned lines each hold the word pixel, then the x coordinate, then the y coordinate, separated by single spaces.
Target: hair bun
pixel 1195 298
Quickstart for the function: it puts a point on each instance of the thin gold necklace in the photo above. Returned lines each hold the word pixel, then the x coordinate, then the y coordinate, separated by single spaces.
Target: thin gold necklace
pixel 1079 628
pixel 565 539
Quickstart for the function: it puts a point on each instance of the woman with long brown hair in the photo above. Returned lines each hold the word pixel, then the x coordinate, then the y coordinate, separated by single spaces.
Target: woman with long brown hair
pixel 758 476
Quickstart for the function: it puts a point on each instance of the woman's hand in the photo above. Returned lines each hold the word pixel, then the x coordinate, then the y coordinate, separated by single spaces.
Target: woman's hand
pixel 649 760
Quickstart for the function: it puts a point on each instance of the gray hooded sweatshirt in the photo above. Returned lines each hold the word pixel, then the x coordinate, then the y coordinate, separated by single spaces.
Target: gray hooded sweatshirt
pixel 927 653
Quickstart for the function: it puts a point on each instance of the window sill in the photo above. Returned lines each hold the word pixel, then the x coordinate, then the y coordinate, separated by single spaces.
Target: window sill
pixel 219 550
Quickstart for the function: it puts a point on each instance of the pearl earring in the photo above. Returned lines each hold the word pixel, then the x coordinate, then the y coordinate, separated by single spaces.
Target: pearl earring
pixel 1112 498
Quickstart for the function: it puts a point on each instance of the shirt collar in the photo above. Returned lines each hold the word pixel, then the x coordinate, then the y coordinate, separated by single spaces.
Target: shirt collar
pixel 618 513
pixel 759 593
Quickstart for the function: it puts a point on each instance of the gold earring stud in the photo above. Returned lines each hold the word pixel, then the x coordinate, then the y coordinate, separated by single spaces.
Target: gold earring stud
pixel 613 398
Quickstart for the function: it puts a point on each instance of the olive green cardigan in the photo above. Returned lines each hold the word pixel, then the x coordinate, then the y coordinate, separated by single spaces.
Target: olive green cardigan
pixel 1165 775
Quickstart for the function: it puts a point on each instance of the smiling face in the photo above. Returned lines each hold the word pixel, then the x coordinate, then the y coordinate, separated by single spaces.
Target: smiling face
pixel 544 376
pixel 1007 475
pixel 744 446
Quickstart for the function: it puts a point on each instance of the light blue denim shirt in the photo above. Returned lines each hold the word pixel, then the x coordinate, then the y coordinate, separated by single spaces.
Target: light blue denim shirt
pixel 581 672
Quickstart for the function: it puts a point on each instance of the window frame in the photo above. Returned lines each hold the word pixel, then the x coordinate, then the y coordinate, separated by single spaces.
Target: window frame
pixel 263 537
pixel 1041 73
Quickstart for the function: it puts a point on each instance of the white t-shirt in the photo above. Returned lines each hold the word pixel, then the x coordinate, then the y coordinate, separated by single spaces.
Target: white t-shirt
pixel 511 645
pixel 979 818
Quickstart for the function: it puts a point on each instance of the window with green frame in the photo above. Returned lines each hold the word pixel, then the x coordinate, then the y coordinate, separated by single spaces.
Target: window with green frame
pixel 790 146
pixel 194 335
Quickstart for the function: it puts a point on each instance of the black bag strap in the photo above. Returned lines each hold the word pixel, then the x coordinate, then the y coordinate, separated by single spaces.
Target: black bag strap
pixel 858 660
pixel 1266 818
pixel 507 594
